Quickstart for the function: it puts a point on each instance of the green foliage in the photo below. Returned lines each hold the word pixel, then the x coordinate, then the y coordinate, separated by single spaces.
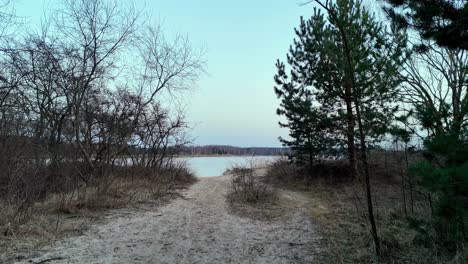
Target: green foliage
pixel 307 123
pixel 445 176
pixel 445 21
pixel 330 70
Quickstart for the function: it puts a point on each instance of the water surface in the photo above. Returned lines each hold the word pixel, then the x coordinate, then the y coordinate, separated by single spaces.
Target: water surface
pixel 215 166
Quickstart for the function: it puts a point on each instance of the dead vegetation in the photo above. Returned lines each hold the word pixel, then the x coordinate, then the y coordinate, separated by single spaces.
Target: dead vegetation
pixel 333 171
pixel 249 187
pixel 336 202
pixel 64 213
pixel 251 195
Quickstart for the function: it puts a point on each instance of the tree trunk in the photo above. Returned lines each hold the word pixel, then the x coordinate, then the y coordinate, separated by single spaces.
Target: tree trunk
pixel 365 164
pixel 350 131
pixel 403 192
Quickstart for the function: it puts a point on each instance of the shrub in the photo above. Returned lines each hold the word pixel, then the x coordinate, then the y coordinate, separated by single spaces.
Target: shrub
pixel 65 192
pixel 284 172
pixel 249 187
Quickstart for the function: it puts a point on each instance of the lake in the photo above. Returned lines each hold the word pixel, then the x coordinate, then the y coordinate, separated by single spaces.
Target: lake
pixel 215 166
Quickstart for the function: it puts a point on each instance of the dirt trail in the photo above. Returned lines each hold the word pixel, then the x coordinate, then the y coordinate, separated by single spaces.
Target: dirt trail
pixel 197 229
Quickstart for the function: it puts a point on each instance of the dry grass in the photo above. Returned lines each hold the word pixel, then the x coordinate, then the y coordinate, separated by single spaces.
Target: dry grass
pixel 344 225
pixel 62 214
pixel 248 187
pixel 340 210
pixel 272 211
pixel 251 196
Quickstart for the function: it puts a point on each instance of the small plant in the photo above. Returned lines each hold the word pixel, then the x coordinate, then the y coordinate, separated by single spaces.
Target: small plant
pixel 247 186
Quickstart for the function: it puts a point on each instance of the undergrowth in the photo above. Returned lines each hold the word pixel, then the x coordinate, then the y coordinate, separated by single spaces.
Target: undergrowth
pixel 337 204
pixel 63 213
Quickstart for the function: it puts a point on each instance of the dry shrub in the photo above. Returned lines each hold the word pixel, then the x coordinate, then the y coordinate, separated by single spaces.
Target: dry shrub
pixel 383 165
pixel 69 212
pixel 247 186
pixel 339 207
pixel 282 172
pixel 119 189
pixel 344 226
pixel 178 173
pixel 115 189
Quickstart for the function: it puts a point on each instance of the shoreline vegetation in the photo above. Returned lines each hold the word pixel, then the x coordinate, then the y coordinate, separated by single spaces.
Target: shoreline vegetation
pixel 63 214
pixel 232 150
pixel 72 103
pixel 333 201
pixel 226 155
pixel 353 81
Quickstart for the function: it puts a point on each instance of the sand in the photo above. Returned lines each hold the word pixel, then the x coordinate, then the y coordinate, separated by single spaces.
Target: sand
pixel 198 228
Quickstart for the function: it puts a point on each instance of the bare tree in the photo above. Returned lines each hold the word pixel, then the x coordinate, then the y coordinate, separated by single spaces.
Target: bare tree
pixel 72 107
pixel 438 80
pixel 93 32
pixel 7 17
pixel 168 66
pixel 7 20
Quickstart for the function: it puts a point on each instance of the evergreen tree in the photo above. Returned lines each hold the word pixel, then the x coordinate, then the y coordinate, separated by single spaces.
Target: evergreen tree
pixel 444 21
pixel 444 174
pixel 307 123
pixel 349 63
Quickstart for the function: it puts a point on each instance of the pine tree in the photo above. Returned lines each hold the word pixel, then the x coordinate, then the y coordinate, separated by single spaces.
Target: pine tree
pixel 444 21
pixel 444 174
pixel 349 63
pixel 307 123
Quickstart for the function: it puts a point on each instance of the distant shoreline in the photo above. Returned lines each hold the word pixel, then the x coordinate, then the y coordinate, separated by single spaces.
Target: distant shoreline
pixel 225 155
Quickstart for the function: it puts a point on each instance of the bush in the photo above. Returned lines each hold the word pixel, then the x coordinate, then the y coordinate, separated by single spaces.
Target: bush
pixel 32 191
pixel 249 187
pixel 283 172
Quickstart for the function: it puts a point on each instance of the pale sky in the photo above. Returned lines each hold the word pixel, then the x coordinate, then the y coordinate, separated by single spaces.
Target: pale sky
pixel 234 103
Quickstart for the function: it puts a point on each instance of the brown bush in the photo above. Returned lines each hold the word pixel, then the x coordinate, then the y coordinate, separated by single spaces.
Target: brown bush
pixel 249 187
pixel 67 193
pixel 283 172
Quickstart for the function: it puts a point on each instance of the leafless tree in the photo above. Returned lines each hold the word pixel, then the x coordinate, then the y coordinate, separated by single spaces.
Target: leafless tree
pixel 7 17
pixel 438 80
pixel 73 107
pixel 92 33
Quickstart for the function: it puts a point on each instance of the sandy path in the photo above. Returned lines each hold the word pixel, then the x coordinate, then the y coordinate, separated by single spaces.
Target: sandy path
pixel 197 229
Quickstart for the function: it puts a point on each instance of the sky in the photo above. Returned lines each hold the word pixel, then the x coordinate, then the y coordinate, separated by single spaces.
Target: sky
pixel 234 102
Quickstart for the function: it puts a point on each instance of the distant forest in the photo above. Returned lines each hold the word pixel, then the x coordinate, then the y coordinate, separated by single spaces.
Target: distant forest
pixel 231 150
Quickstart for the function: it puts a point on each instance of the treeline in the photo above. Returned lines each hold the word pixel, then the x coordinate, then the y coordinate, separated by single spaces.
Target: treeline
pixel 351 81
pixel 82 96
pixel 231 150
